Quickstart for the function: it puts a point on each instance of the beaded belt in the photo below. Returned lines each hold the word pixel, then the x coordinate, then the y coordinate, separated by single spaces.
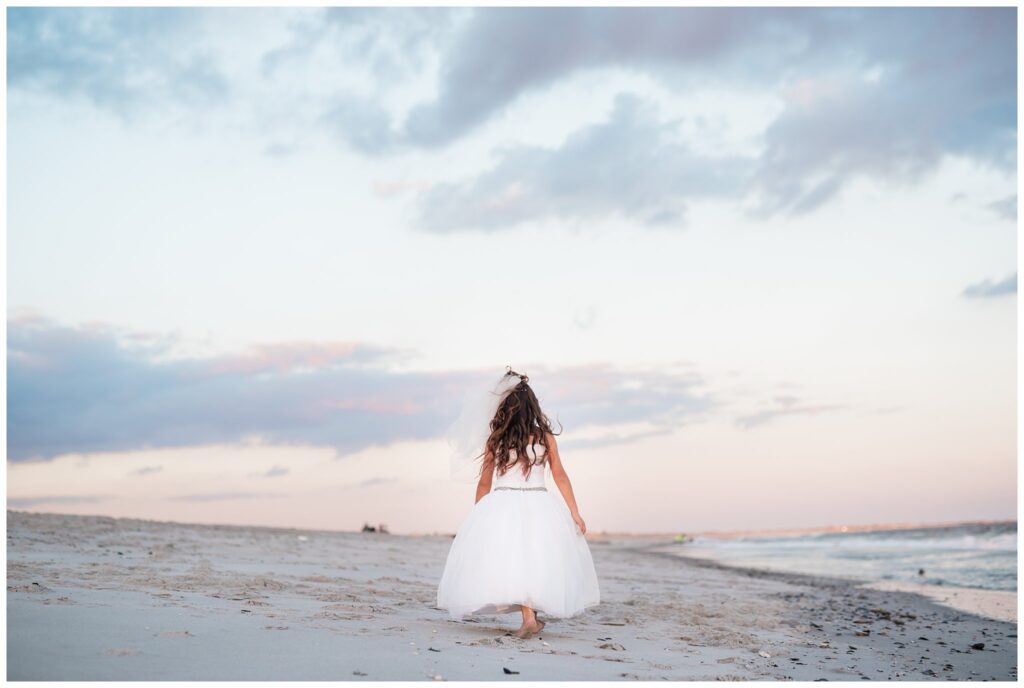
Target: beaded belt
pixel 505 487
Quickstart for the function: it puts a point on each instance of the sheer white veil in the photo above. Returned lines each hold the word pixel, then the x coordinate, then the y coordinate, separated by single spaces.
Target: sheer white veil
pixel 467 436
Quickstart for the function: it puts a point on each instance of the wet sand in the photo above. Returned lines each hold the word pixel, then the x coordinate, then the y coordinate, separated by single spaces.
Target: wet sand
pixel 95 598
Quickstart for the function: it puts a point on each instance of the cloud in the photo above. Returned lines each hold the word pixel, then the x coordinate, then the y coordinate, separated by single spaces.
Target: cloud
pixel 612 439
pixel 629 166
pixel 879 93
pixel 876 93
pixel 128 61
pixel 1006 208
pixel 386 48
pixel 391 42
pixel 894 92
pixel 147 470
pixel 601 396
pixel 26 502
pixel 279 150
pixel 272 472
pixel 222 496
pixel 987 289
pixel 96 388
pixel 502 53
pixel 99 388
pixel 925 83
pixel 785 406
pixel 370 482
pixel 363 124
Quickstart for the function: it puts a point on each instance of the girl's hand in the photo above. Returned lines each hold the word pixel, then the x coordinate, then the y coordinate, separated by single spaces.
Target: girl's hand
pixel 579 522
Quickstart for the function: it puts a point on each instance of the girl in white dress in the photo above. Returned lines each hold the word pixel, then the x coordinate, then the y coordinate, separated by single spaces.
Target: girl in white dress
pixel 521 547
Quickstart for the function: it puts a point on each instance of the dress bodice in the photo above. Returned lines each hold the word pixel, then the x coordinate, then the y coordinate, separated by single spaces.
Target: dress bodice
pixel 514 477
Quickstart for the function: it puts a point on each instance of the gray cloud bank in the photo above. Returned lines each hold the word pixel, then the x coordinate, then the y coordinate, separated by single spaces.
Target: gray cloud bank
pixel 877 92
pixel 96 388
pixel 628 166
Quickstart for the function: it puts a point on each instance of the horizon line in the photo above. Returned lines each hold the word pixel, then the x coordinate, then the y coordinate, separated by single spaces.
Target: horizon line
pixel 842 528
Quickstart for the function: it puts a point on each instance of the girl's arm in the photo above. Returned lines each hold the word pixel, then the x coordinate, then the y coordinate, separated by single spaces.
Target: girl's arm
pixel 561 479
pixel 486 476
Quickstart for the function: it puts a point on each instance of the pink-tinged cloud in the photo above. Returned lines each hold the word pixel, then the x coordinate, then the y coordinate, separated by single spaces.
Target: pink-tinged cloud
pixel 100 395
pixel 290 356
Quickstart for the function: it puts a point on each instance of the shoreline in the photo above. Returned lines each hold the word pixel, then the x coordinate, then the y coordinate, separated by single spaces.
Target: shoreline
pixel 1000 605
pixel 997 605
pixel 97 598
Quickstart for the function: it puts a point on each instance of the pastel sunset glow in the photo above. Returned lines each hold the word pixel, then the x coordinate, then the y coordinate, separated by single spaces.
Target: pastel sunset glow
pixel 760 264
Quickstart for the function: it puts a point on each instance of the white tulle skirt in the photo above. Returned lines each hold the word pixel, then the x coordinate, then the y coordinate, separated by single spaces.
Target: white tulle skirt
pixel 518 548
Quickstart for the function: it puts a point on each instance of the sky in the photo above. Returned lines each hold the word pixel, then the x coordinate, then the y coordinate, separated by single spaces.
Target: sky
pixel 759 263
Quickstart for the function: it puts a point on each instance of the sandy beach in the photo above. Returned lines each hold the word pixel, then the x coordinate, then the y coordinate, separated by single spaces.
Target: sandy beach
pixel 96 598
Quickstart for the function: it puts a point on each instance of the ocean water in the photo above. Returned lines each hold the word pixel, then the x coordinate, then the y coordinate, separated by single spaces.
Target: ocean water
pixel 982 556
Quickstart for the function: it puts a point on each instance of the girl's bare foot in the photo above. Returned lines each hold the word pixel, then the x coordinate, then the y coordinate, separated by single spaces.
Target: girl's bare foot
pixel 527 630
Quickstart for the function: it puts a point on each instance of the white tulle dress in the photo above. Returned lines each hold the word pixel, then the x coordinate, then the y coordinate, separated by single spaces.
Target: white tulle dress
pixel 519 547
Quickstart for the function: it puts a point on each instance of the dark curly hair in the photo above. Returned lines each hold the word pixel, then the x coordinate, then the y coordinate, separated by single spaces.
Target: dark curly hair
pixel 518 423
